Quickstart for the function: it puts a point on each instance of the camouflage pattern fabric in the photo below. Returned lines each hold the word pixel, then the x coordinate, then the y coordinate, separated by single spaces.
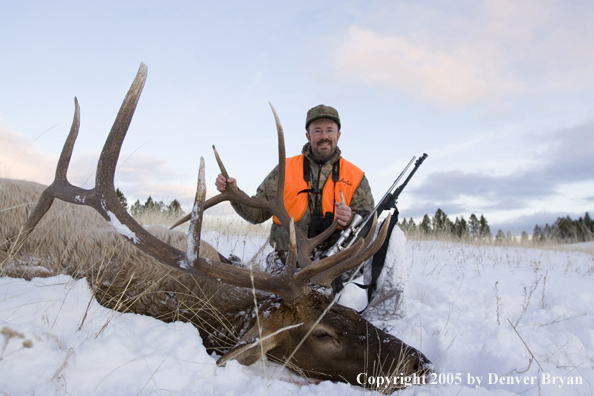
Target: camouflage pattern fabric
pixel 361 203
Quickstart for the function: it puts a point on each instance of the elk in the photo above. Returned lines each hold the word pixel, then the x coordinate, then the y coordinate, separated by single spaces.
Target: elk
pixel 240 313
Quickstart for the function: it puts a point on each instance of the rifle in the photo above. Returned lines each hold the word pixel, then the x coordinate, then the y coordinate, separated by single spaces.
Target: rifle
pixel 359 227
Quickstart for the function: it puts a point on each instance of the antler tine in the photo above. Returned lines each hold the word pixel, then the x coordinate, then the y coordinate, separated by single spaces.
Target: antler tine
pixel 217 199
pixel 111 150
pixel 234 194
pixel 323 272
pixel 60 182
pixel 220 162
pixel 325 278
pixel 66 155
pixel 291 265
pixel 316 268
pixel 307 245
pixel 104 200
pixel 279 284
pixel 278 201
pixel 214 200
pixel 193 244
pixel 181 221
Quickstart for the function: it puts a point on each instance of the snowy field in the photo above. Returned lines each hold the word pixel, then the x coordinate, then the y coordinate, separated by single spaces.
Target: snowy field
pixel 494 320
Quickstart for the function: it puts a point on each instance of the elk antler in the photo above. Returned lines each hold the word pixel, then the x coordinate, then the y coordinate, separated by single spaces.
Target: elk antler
pixel 275 206
pixel 104 200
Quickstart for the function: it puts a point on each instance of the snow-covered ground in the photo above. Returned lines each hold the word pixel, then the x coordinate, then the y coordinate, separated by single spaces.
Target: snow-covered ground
pixel 494 320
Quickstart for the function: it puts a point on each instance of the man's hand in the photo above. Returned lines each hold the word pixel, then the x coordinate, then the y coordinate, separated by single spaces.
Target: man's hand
pixel 221 182
pixel 343 214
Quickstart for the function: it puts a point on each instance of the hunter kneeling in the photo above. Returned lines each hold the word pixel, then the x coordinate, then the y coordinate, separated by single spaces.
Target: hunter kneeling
pixel 316 183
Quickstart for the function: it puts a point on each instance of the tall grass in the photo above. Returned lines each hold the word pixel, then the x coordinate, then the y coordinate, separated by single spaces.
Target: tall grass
pixel 550 244
pixel 228 224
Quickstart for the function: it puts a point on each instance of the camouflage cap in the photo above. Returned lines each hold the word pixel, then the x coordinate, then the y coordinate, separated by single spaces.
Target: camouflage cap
pixel 322 111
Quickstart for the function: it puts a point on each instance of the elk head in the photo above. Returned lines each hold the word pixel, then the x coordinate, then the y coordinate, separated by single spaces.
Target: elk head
pixel 299 323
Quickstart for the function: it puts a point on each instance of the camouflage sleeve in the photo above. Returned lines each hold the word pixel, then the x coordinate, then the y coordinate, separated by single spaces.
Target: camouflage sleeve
pixel 265 192
pixel 362 202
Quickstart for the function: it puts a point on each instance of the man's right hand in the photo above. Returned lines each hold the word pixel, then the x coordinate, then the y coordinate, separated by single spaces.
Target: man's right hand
pixel 221 182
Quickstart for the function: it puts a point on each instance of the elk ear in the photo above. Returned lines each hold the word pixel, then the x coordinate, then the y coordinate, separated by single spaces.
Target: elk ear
pixel 248 352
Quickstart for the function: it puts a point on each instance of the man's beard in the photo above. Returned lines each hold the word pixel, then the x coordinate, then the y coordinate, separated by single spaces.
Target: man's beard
pixel 323 155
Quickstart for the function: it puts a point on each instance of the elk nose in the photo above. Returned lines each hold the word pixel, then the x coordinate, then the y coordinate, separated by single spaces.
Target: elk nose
pixel 423 367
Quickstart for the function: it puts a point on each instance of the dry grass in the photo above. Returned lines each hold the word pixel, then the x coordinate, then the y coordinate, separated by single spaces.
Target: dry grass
pixel 587 247
pixel 228 224
pixel 8 335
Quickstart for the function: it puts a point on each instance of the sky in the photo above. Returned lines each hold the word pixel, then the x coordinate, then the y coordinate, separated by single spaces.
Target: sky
pixel 499 94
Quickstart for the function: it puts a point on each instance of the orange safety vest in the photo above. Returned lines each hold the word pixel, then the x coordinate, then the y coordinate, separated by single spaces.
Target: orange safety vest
pixel 349 178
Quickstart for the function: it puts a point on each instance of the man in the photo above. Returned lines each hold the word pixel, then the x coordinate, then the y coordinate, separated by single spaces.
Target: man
pixel 314 181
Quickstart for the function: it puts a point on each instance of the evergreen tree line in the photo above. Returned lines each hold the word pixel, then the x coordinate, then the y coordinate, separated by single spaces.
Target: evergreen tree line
pixel 151 206
pixel 564 230
pixel 441 225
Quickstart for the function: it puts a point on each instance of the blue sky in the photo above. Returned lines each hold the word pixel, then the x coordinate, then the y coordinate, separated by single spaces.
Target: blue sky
pixel 499 94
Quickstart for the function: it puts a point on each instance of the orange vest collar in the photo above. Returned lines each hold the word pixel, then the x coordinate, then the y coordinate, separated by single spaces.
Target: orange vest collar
pixel 349 179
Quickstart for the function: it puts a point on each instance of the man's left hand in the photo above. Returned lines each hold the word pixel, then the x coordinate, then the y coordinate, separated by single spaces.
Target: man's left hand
pixel 343 214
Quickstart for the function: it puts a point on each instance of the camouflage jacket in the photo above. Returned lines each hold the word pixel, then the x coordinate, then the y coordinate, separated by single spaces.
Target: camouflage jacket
pixel 362 201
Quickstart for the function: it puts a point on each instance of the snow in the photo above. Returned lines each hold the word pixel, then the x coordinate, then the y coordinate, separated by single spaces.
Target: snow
pixel 514 319
pixel 121 228
pixel 192 251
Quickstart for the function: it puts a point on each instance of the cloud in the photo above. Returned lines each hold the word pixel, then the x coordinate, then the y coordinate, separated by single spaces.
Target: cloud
pixel 399 64
pixel 22 159
pixel 501 48
pixel 559 158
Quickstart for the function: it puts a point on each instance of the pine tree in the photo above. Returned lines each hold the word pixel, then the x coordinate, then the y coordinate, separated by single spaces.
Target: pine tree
pixel 404 226
pixel 500 237
pixel 456 228
pixel 412 227
pixel 546 234
pixel 589 223
pixel 587 228
pixel 425 225
pixel 485 231
pixel 149 205
pixel 175 208
pixel 122 198
pixel 441 223
pixel 536 234
pixel 153 206
pixel 524 237
pixel 136 209
pixel 583 233
pixel 475 226
pixel 461 227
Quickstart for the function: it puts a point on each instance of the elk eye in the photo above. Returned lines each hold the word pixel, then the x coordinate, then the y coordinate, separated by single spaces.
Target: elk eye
pixel 320 333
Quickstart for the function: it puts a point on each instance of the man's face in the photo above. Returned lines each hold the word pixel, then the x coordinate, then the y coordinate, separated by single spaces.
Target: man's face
pixel 323 135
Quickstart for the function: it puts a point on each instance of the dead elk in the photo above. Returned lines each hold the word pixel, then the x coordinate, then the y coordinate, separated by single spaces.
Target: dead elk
pixel 174 276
